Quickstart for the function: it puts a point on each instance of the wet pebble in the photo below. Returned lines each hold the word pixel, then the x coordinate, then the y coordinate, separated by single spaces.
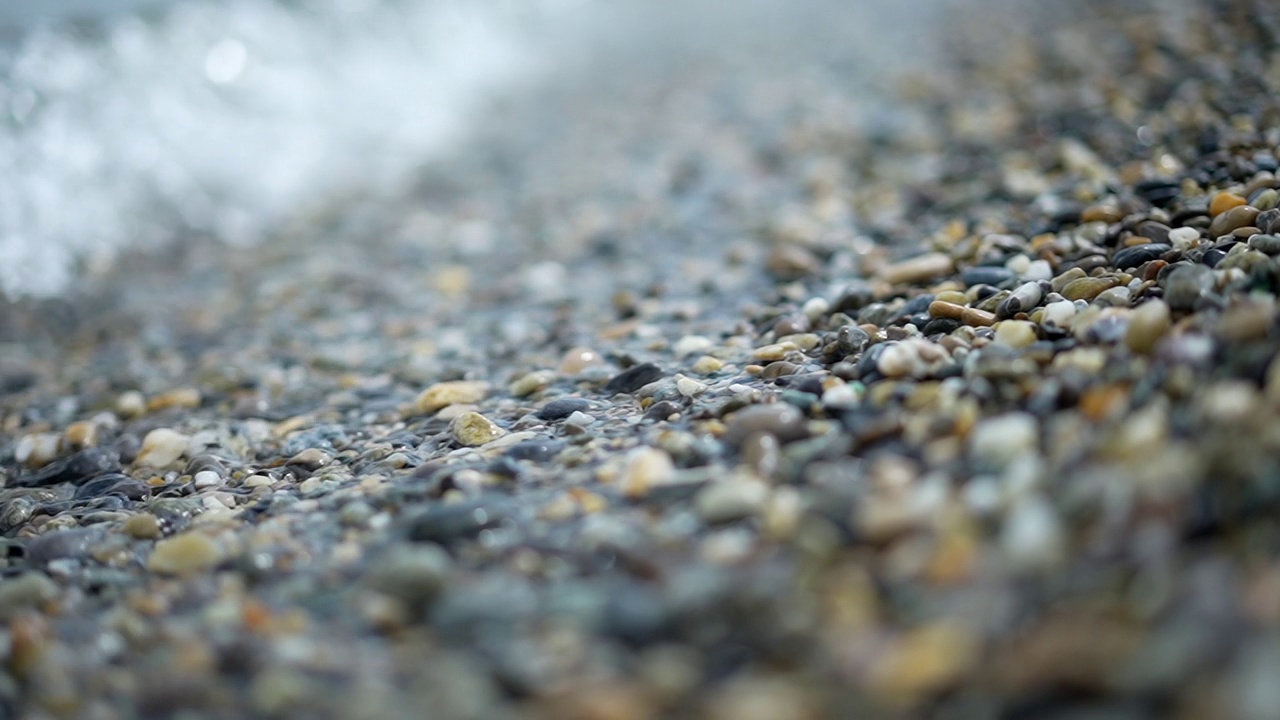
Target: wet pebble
pixel 632 379
pixel 162 447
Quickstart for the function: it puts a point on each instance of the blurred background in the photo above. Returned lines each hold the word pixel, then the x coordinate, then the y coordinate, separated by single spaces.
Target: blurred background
pixel 135 123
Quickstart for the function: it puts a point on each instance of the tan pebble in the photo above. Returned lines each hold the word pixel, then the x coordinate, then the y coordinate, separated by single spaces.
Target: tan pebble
pixel 37 449
pixel 1087 288
pixel 1101 213
pixel 473 429
pixel 182 398
pixel 954 297
pixel 706 365
pixel 1148 323
pixel 259 481
pixel 1223 202
pixel 578 359
pixel 81 435
pixel 691 344
pixel 187 553
pixel 161 447
pixel 311 459
pixel 131 404
pixel 530 383
pixel 1246 320
pixel 925 660
pixel 1015 333
pixel 456 392
pixel 732 499
pixel 452 281
pixel 143 526
pixel 689 387
pixel 776 351
pixel 917 269
pixel 646 468
pixel 946 309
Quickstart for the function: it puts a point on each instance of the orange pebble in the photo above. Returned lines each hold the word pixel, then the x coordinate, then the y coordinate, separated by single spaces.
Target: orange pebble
pixel 1223 202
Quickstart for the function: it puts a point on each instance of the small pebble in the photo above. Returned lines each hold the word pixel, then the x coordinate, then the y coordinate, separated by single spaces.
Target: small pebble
pixel 143 526
pixel 457 392
pixel 578 359
pixel 472 429
pixel 184 554
pixel 645 468
pixel 162 447
pixel 1148 323
pixel 917 269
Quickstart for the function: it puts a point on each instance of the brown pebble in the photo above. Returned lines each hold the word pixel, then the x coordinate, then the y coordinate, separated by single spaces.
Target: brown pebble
pixel 183 398
pixel 1236 217
pixel 578 359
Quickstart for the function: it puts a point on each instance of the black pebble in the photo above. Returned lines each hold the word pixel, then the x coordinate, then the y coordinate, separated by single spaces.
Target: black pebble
pixel 563 407
pixel 113 484
pixel 538 450
pixel 1132 257
pixel 629 381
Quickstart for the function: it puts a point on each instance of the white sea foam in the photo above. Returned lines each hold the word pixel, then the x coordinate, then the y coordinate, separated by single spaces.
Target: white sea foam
pixel 226 118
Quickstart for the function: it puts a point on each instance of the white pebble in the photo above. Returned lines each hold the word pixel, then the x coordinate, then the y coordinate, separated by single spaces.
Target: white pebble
pixel 1038 270
pixel 996 441
pixel 1184 238
pixel 1059 314
pixel 206 478
pixel 1033 536
pixel 161 447
pixel 691 345
pixel 689 387
pixel 815 308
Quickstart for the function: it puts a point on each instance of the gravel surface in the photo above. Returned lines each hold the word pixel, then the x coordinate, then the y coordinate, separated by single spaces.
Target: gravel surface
pixel 698 391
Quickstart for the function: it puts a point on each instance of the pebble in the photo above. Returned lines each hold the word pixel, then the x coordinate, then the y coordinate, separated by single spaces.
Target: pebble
pixel 530 383
pixel 1033 536
pixel 131 404
pixel 162 447
pixel 998 440
pixel 457 392
pixel 184 554
pixel 1135 255
pixel 1184 238
pixel 780 420
pixel 733 498
pixel 206 479
pixel 692 345
pixel 630 380
pixel 689 387
pixel 143 526
pixel 471 429
pixel 1087 288
pixel 1223 202
pixel 1015 333
pixel 1148 324
pixel 1186 284
pixel 917 269
pixel 184 398
pixel 707 365
pixel 1059 314
pixel 416 575
pixel 1232 219
pixel 645 468
pixel 578 359
pixel 562 407
pixel 27 591
pixel 1024 298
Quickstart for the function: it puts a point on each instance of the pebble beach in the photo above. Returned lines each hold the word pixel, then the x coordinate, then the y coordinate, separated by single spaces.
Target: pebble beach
pixel 734 385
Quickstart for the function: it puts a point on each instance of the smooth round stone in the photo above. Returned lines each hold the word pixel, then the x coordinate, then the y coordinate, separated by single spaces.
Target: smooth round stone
pixel 1088 288
pixel 1186 284
pixel 414 574
pixel 1266 199
pixel 455 392
pixel 731 499
pixel 692 345
pixel 996 441
pixel 1115 297
pixel 1223 202
pixel 563 407
pixel 1058 314
pixel 917 269
pixel 472 429
pixel 1269 244
pixel 206 479
pixel 1184 238
pixel 689 387
pixel 143 526
pixel 1148 323
pixel 311 459
pixel 1236 217
pixel 81 434
pixel 986 276
pixel 578 359
pixel 762 452
pixel 900 359
pixel 162 447
pixel 530 383
pixel 1132 257
pixel 131 404
pixel 27 591
pixel 37 449
pixel 184 554
pixel 707 365
pixel 1015 333
pixel 645 468
pixel 1033 535
pixel 780 420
